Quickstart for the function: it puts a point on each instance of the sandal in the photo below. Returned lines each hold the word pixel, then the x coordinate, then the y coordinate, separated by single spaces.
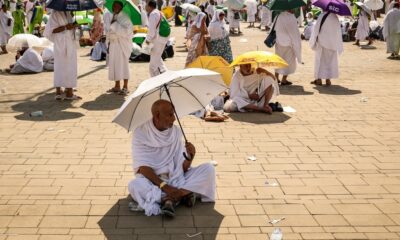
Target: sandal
pixel 286 83
pixel 168 209
pixel 123 91
pixel 189 200
pixel 113 90
pixel 317 82
pixel 73 97
pixel 328 82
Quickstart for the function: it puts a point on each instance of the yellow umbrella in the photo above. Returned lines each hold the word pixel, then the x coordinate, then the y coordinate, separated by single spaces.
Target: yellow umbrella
pixel 261 58
pixel 216 64
pixel 168 12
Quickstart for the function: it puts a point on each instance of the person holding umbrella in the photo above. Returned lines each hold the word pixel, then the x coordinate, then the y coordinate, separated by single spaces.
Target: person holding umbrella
pixel 60 29
pixel 326 41
pixel 362 31
pixel 288 44
pixel 119 48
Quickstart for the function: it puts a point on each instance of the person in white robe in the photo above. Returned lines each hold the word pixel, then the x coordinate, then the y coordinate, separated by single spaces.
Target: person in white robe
pixel 60 29
pixel 119 49
pixel 143 16
pixel 251 90
pixel 162 164
pixel 211 9
pixel 48 59
pixel 99 51
pixel 391 31
pixel 6 27
pixel 29 7
pixel 107 17
pixel 266 17
pixel 156 65
pixel 362 31
pixel 251 10
pixel 234 20
pixel 28 61
pixel 309 26
pixel 288 44
pixel 326 41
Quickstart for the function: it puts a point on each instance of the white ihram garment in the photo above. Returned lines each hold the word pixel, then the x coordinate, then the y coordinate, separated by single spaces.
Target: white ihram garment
pixel 362 31
pixel 391 30
pixel 5 30
pixel 31 60
pixel 163 152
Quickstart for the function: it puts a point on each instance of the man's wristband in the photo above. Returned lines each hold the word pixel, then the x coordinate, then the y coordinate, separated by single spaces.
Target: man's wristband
pixel 162 184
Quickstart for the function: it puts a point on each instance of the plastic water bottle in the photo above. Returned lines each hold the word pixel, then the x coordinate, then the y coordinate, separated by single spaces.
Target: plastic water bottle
pixel 276 234
pixel 36 114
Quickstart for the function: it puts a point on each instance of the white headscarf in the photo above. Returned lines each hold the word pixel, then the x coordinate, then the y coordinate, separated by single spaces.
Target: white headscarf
pixel 199 18
pixel 216 29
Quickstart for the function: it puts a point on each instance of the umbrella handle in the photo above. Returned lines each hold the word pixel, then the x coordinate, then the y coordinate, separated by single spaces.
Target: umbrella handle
pixel 177 118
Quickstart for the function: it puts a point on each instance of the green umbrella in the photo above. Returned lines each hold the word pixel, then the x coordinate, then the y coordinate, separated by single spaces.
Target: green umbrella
pixel 285 4
pixel 129 9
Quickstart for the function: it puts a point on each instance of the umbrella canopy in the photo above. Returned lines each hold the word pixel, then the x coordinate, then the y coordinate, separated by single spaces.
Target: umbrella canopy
pixel 46 42
pixel 189 90
pixel 191 7
pixel 262 58
pixel 364 7
pixel 284 5
pixel 129 9
pixel 335 6
pixel 234 4
pixel 168 12
pixel 71 5
pixel 214 63
pixel 24 40
pixel 139 38
pixel 374 4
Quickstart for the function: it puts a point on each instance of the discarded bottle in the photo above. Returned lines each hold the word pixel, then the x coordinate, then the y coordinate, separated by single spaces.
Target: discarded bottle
pixel 276 234
pixel 36 114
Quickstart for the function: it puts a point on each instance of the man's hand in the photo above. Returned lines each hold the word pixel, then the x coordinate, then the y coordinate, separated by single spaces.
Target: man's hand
pixel 254 96
pixel 173 193
pixel 190 149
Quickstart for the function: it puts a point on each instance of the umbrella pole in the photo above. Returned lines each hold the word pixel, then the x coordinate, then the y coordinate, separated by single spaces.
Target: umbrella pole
pixel 173 107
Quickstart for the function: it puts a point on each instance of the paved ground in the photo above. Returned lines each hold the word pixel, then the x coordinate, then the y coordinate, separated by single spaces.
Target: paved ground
pixel 335 161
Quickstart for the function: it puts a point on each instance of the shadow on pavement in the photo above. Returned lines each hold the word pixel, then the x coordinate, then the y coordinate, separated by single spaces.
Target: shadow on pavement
pixel 294 90
pixel 260 118
pixel 120 223
pixel 104 102
pixel 336 90
pixel 52 110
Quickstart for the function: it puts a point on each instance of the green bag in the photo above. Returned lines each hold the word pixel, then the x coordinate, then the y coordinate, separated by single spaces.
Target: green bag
pixel 165 29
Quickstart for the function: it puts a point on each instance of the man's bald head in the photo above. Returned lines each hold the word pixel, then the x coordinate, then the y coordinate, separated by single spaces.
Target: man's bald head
pixel 163 114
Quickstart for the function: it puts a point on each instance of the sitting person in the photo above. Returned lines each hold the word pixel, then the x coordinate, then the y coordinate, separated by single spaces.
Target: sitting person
pixel 48 59
pixel 251 91
pixel 162 165
pixel 99 51
pixel 28 61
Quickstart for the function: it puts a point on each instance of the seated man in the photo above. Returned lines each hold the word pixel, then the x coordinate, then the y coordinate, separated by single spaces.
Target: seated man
pixel 48 59
pixel 28 61
pixel 162 165
pixel 99 51
pixel 251 91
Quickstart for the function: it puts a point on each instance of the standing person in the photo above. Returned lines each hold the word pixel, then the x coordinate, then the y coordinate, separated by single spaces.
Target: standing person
pixel 119 49
pixel 107 17
pixel 6 27
pixel 219 44
pixel 203 10
pixel 199 37
pixel 29 6
pixel 288 44
pixel 391 31
pixel 97 30
pixel 210 9
pixel 251 10
pixel 157 37
pixel 234 20
pixel 266 16
pixel 60 29
pixel 362 31
pixel 326 41
pixel 36 18
pixel 19 20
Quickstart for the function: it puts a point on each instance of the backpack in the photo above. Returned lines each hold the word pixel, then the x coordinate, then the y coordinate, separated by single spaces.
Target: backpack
pixel 165 29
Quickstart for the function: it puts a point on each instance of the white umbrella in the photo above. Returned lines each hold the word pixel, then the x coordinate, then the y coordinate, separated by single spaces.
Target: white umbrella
pixel 189 90
pixel 24 40
pixel 191 7
pixel 365 8
pixel 374 4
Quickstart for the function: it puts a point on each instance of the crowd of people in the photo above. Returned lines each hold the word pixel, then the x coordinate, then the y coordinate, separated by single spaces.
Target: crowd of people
pixel 208 32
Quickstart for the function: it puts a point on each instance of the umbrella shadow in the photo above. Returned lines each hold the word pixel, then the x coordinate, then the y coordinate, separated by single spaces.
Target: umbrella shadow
pixel 259 118
pixel 52 110
pixel 294 90
pixel 120 223
pixel 336 90
pixel 105 102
